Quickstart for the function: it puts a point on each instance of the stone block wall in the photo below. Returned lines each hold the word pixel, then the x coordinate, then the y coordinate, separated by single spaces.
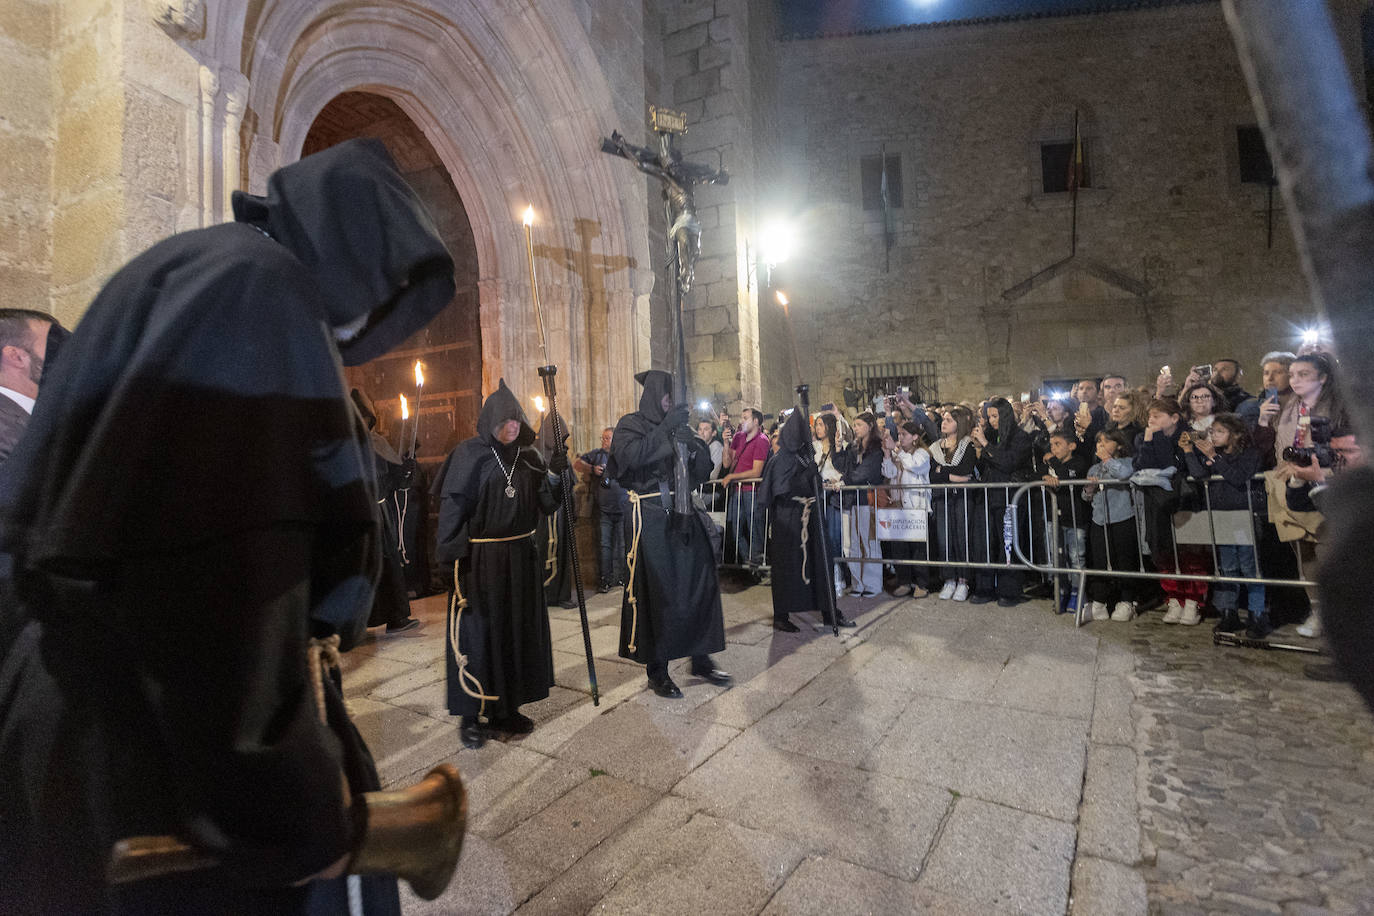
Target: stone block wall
pixel 26 149
pixel 1183 241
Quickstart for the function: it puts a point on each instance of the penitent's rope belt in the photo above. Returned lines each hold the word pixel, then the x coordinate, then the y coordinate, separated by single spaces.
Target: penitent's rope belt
pixel 806 503
pixel 551 563
pixel 632 558
pixel 455 615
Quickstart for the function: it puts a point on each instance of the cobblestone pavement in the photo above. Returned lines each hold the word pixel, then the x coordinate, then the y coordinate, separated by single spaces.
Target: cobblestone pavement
pixel 941 758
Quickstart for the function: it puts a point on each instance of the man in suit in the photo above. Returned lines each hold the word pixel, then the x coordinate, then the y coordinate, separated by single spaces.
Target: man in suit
pixel 23 348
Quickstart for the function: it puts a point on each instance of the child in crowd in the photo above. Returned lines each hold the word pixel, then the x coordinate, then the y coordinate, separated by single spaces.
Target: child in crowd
pixel 1066 463
pixel 1228 453
pixel 1158 449
pixel 1112 540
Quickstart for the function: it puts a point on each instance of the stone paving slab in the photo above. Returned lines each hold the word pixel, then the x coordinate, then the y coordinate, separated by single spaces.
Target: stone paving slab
pixel 708 865
pixel 1006 859
pixel 650 745
pixel 517 786
pixel 402 742
pixel 881 821
pixel 1112 722
pixel 1023 759
pixel 563 832
pixel 1102 888
pixel 824 886
pixel 490 879
pixel 593 876
pixel 1032 682
pixel 1108 825
pixel 833 718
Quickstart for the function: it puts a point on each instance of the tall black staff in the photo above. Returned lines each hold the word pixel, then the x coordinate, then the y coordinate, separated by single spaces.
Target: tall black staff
pixel 547 374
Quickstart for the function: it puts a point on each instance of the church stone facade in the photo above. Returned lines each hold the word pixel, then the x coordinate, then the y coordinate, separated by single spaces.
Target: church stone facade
pixel 123 121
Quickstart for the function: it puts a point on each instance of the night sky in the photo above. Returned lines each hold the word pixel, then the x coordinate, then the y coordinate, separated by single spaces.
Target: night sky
pixel 810 17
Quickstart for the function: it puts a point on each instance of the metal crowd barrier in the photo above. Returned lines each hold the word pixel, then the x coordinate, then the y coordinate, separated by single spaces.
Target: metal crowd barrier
pixel 1027 517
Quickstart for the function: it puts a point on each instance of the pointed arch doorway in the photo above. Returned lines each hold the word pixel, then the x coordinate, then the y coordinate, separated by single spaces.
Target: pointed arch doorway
pixel 449 347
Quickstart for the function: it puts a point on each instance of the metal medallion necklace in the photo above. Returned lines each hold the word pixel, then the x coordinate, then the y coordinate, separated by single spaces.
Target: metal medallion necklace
pixel 510 487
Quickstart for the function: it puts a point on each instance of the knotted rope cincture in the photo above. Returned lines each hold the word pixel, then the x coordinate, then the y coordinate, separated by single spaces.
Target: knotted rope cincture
pixel 455 615
pixel 632 558
pixel 401 510
pixel 551 563
pixel 806 502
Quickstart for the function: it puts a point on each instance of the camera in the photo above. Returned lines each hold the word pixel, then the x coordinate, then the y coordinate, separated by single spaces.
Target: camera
pixel 1204 371
pixel 1320 449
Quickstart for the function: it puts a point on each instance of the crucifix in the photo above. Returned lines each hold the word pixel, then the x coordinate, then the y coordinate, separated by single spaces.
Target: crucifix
pixel 678 178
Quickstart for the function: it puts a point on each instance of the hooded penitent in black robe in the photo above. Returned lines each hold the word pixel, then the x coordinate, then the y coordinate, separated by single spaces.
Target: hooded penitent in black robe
pixel 503 630
pixel 553 530
pixel 789 477
pixel 671 607
pixel 389 604
pixel 192 503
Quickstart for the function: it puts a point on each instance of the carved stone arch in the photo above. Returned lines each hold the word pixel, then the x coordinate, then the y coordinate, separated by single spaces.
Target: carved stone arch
pixel 514 103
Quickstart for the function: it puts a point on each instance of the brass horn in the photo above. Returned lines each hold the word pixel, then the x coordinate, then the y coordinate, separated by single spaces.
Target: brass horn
pixel 415 834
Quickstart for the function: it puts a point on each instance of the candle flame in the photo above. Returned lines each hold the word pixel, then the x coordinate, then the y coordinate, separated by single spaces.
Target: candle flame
pixel 405 408
pixel 529 216
pixel 539 403
pixel 419 375
pixel 782 298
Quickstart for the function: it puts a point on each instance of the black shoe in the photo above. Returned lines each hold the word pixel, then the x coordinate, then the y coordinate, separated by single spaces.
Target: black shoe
pixel 1230 623
pixel 1040 590
pixel 409 623
pixel 981 599
pixel 1259 628
pixel 843 621
pixel 515 724
pixel 1010 602
pixel 665 688
pixel 714 675
pixel 603 588
pixel 568 604
pixel 785 626
pixel 473 734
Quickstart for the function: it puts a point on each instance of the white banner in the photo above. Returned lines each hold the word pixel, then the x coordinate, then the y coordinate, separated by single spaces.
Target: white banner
pixel 1232 526
pixel 902 524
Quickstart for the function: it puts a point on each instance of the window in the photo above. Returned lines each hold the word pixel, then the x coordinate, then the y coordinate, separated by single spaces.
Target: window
pixel 1055 162
pixel 871 173
pixel 1255 167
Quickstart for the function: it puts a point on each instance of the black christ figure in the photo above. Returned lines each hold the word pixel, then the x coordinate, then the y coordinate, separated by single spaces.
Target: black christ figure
pixel 678 178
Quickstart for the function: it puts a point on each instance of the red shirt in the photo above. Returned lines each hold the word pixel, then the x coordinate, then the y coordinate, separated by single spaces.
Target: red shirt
pixel 746 453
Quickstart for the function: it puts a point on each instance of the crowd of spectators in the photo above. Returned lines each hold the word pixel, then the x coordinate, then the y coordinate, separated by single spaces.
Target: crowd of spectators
pixel 1124 466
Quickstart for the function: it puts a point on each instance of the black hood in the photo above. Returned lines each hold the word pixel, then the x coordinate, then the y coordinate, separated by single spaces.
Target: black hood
pixel 656 384
pixel 502 405
pixel 796 435
pixel 348 216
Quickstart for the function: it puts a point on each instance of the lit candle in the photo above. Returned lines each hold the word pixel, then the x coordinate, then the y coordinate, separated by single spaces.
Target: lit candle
pixel 534 284
pixel 405 415
pixel 419 390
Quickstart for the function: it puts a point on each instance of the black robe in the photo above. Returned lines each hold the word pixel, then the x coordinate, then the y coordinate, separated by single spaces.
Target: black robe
pixel 675 611
pixel 192 502
pixel 504 628
pixel 794 556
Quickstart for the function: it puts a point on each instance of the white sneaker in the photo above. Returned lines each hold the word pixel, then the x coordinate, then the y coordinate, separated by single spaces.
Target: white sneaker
pixel 947 592
pixel 1191 616
pixel 1311 628
pixel 1174 612
pixel 961 592
pixel 1098 611
pixel 1124 611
